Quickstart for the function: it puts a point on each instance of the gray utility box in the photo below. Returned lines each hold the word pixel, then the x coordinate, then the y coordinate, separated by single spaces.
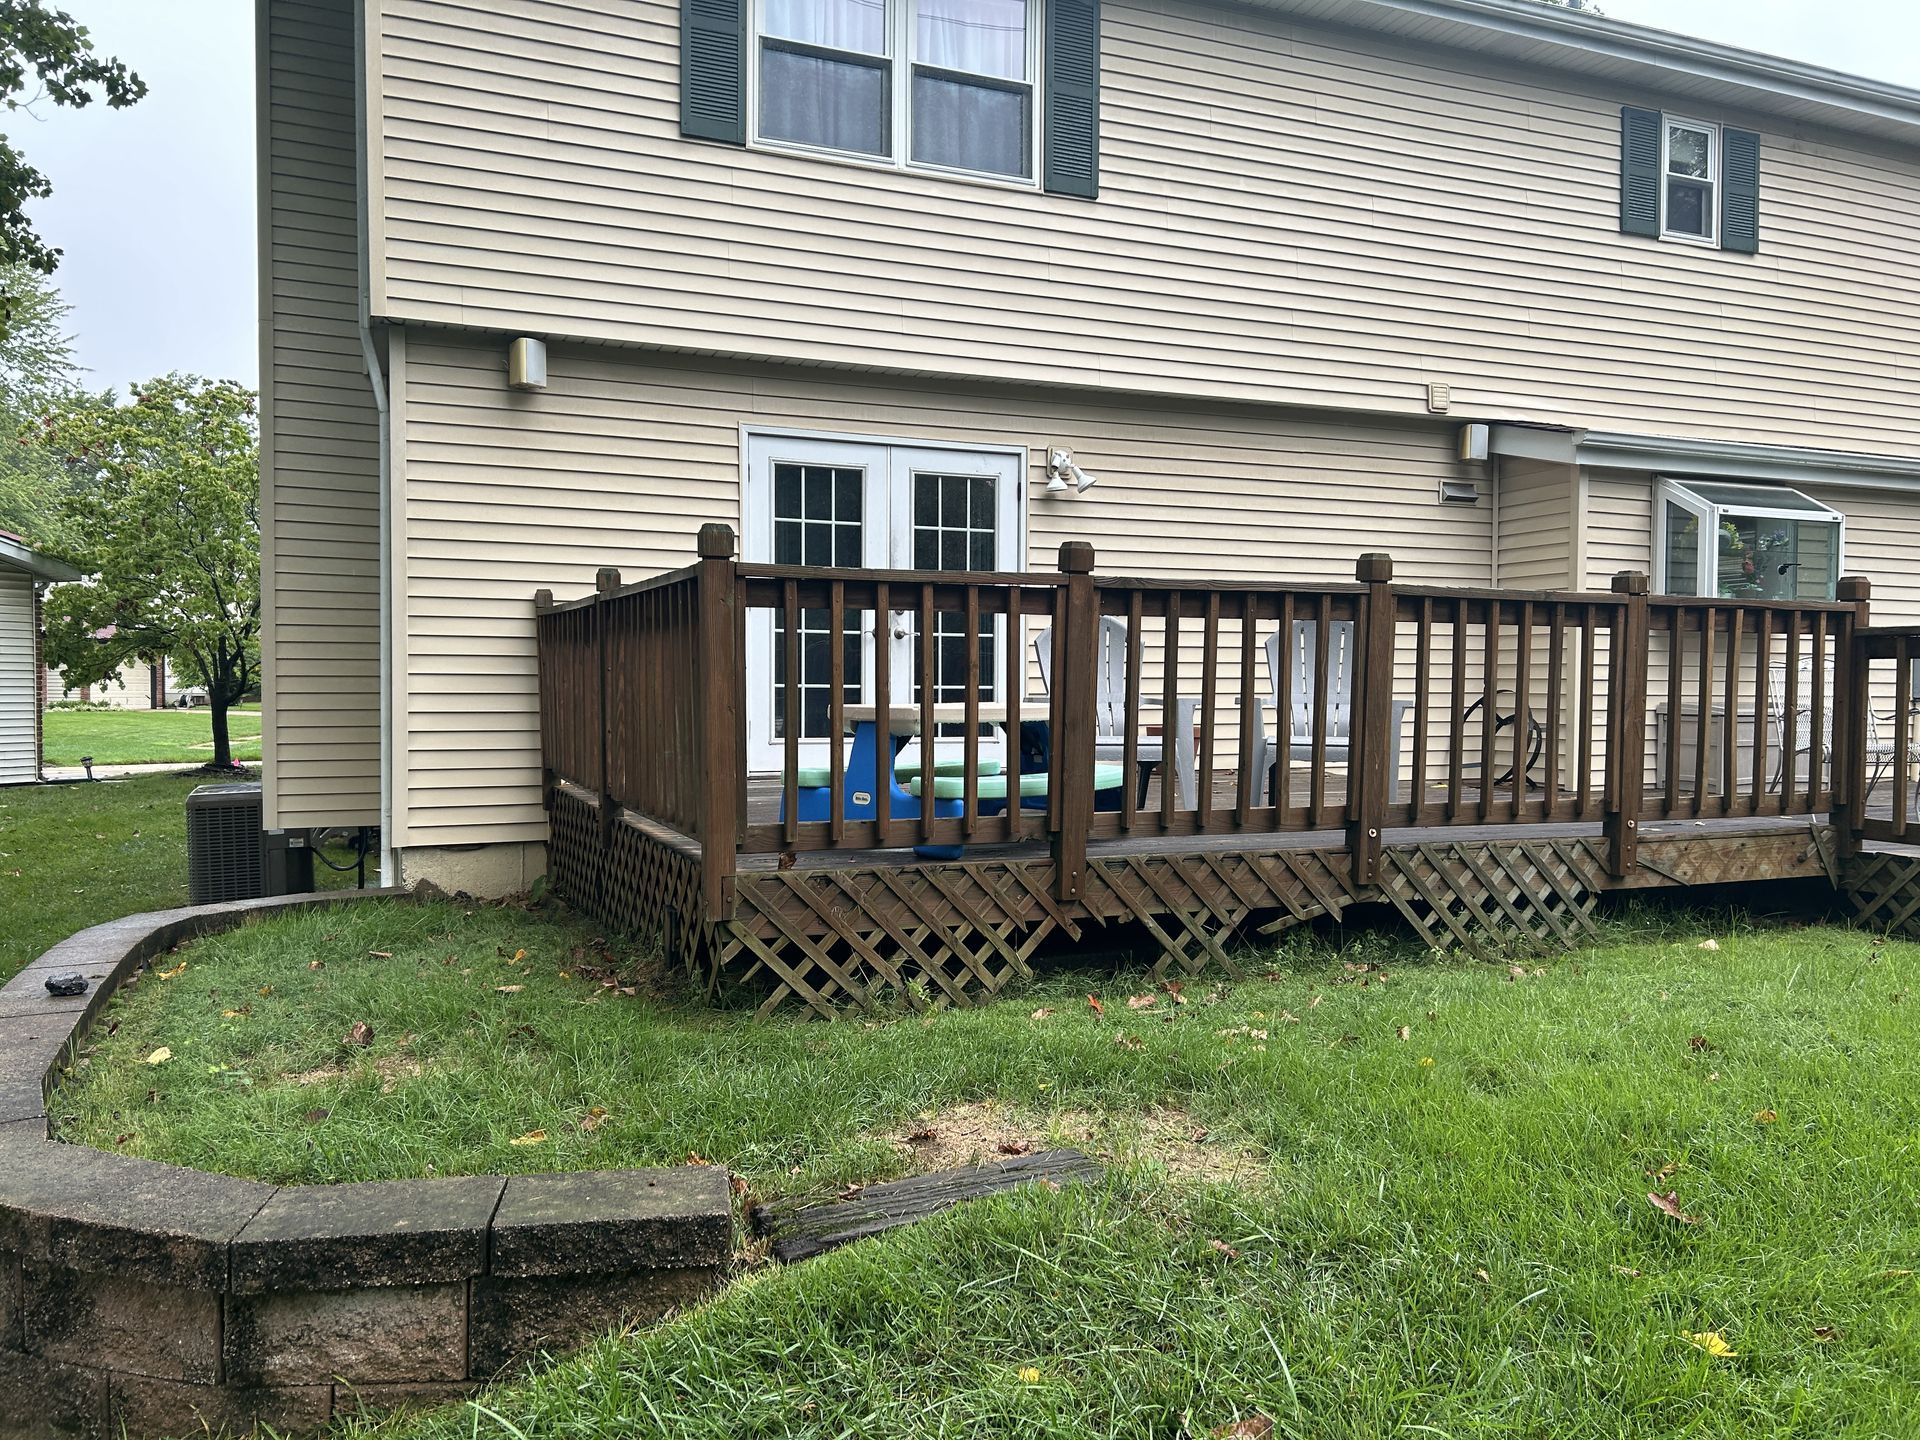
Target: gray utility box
pixel 231 857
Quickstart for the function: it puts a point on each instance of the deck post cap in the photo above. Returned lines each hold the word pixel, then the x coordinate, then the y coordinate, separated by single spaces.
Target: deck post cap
pixel 1374 568
pixel 607 580
pixel 1854 587
pixel 716 542
pixel 1631 582
pixel 1076 557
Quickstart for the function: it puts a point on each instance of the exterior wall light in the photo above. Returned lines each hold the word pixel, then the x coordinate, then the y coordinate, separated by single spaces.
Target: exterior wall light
pixel 527 364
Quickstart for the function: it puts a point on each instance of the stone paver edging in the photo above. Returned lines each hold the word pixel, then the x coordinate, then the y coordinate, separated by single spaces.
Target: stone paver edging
pixel 157 1300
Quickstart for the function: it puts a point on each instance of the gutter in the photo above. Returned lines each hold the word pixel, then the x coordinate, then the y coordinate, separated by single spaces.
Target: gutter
pixel 1623 41
pixel 377 381
pixel 1724 459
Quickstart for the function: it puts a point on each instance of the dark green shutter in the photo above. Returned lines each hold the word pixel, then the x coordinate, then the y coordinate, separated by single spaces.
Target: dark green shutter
pixel 1740 184
pixel 1072 97
pixel 1640 171
pixel 713 69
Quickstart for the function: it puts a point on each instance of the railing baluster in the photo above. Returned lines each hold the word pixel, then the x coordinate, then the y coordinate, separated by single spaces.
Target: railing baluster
pixel 1790 722
pixel 883 715
pixel 1489 705
pixel 1280 778
pixel 1821 723
pixel 1730 719
pixel 1169 705
pixel 1317 777
pixel 970 743
pixel 1587 687
pixel 1015 661
pixel 837 713
pixel 1130 721
pixel 1522 709
pixel 790 709
pixel 929 693
pixel 1249 698
pixel 1762 709
pixel 1457 724
pixel 1902 739
pixel 1703 717
pixel 1209 686
pixel 1556 700
pixel 1422 704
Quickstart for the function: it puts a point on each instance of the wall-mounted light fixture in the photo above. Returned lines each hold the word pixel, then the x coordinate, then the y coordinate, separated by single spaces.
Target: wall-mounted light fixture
pixel 527 364
pixel 1064 476
pixel 1476 443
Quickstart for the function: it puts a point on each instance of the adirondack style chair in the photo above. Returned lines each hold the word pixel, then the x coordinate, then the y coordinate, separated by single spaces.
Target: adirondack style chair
pixel 1300 705
pixel 1110 707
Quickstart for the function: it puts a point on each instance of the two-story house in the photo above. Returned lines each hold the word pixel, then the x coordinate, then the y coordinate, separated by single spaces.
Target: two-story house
pixel 1521 296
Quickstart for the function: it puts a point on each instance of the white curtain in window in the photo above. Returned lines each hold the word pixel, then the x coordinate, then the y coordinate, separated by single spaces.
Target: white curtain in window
pixel 981 37
pixel 859 25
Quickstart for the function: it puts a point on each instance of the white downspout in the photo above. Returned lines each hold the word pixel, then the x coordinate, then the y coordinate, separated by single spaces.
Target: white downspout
pixel 376 378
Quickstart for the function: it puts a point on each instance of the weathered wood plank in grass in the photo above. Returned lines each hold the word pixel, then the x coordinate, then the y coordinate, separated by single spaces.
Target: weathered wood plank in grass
pixel 799 1232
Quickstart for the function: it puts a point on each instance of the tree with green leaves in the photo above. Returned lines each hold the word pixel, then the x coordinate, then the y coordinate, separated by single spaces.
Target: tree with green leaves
pixel 48 47
pixel 38 376
pixel 168 533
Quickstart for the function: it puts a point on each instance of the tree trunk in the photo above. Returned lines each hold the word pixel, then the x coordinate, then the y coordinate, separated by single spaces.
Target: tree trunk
pixel 222 746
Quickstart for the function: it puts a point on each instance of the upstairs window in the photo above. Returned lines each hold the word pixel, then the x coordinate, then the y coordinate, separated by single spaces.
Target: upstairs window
pixel 1691 168
pixel 936 84
pixel 1732 541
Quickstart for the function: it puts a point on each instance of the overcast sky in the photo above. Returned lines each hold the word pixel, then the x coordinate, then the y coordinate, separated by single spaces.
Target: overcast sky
pixel 154 205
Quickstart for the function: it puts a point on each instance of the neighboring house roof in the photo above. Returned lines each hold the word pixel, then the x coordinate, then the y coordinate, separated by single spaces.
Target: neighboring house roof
pixel 1634 56
pixel 16 555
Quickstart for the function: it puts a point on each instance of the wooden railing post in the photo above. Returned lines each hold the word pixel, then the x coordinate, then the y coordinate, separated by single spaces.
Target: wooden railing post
pixel 1626 782
pixel 720 678
pixel 543 682
pixel 605 583
pixel 1076 686
pixel 1370 737
pixel 1852 680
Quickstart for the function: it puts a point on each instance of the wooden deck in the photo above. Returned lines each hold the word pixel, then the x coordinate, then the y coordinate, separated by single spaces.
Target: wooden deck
pixel 867 900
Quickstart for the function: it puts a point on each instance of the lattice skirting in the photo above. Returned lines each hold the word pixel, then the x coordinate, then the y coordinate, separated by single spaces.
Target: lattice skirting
pixel 959 934
pixel 1884 890
pixel 1497 900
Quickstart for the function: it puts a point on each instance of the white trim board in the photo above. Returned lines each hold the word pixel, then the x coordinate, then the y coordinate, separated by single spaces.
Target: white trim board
pixel 1723 459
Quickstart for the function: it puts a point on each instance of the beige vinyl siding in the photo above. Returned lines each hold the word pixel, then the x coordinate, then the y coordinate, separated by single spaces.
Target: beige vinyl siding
pixel 320 523
pixel 1537 502
pixel 1288 214
pixel 622 460
pixel 19 689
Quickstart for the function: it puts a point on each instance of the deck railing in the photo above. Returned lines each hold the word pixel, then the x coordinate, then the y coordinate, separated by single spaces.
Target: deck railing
pixel 1353 709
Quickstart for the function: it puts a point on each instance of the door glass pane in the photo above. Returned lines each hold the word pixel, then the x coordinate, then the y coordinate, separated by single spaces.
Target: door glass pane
pixel 813 100
pixel 1683 552
pixel 833 24
pixel 971 127
pixel 982 37
pixel 818 519
pixel 955 527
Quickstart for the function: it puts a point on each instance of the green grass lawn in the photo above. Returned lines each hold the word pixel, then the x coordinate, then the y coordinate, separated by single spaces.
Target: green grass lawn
pixel 144 737
pixel 75 855
pixel 1365 1194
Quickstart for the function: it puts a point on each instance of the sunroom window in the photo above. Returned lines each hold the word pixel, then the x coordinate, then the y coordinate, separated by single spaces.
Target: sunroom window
pixel 1746 542
pixel 933 84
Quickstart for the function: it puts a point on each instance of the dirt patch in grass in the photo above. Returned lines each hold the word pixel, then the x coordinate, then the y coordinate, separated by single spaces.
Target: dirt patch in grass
pixel 981 1132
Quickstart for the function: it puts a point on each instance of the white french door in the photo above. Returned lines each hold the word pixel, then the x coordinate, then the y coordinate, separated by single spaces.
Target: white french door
pixel 872 505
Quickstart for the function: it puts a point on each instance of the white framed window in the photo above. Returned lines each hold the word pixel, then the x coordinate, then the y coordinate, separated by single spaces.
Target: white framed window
pixel 1736 541
pixel 1690 181
pixel 941 85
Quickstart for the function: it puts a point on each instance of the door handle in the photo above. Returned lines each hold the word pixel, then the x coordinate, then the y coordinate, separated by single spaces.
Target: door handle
pixel 902 625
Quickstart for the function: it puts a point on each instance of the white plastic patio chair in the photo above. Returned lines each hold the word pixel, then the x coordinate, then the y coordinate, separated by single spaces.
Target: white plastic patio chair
pixel 1110 710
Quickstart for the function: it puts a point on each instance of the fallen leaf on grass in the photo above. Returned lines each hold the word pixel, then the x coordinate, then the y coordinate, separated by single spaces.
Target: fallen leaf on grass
pixel 1626 1272
pixel 244 1010
pixel 1129 1042
pixel 1709 944
pixel 361 1035
pixel 1287 1017
pixel 508 989
pixel 1426 1062
pixel 160 1056
pixel 518 956
pixel 1174 988
pixel 1093 1003
pixel 1669 1204
pixel 1220 1247
pixel 1016 1147
pixel 1405 1032
pixel 1029 1375
pixel 1142 1002
pixel 1041 1014
pixel 593 1119
pixel 1254 1427
pixel 1765 1117
pixel 1699 1044
pixel 174 974
pixel 1314 1003
pixel 532 1137
pixel 1826 1333
pixel 697 1159
pixel 316 964
pixel 1713 1342
pixel 265 990
pixel 924 1135
pixel 381 954
pixel 315 1116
